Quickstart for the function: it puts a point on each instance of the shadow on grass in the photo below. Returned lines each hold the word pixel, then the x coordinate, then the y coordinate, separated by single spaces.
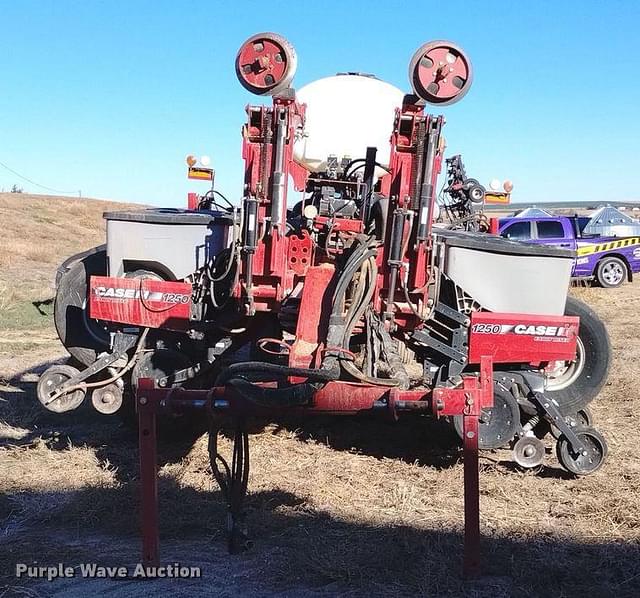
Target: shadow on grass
pixel 414 439
pixel 299 548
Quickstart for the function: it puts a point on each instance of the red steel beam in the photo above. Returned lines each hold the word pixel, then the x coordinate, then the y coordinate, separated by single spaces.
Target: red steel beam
pixel 146 405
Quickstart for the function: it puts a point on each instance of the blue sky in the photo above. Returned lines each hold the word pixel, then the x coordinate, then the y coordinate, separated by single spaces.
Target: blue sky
pixel 108 97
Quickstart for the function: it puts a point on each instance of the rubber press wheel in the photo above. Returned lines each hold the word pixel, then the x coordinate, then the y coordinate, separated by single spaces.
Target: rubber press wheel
pixel 583 463
pixel 83 337
pixel 579 382
pixel 611 272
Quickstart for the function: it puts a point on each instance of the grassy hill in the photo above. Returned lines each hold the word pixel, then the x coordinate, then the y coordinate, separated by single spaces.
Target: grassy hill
pixel 38 233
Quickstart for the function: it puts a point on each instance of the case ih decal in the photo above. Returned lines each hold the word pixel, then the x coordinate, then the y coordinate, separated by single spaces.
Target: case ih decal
pixel 530 329
pixel 148 303
pixel 522 336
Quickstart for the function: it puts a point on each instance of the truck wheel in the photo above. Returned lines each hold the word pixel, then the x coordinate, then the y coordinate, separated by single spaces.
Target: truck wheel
pixel 611 272
pixel 578 382
pixel 83 337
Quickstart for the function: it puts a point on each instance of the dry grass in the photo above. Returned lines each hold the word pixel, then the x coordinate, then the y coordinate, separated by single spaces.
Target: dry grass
pixel 39 232
pixel 341 506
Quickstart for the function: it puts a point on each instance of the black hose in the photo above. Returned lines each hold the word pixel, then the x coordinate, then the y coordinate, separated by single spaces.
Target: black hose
pixel 233 480
pixel 236 370
pixel 296 395
pixel 357 310
pixel 352 264
pixel 337 321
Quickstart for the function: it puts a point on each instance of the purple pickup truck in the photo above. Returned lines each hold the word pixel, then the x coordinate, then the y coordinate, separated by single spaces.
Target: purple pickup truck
pixel 610 260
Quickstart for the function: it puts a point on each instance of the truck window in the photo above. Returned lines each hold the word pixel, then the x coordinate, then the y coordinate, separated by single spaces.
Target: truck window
pixel 582 222
pixel 550 229
pixel 518 231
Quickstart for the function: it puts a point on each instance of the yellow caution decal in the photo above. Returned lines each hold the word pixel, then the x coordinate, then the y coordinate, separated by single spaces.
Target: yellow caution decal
pixel 498 197
pixel 201 174
pixel 608 246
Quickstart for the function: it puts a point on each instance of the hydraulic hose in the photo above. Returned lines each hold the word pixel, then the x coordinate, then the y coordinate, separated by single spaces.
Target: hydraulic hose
pixel 237 370
pixel 335 332
pixel 296 395
pixel 369 273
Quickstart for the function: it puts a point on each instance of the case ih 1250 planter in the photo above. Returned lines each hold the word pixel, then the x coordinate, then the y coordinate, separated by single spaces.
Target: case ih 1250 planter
pixel 349 301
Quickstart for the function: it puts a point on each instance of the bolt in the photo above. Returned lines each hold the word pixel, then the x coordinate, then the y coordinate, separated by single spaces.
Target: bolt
pixel 143 400
pixel 162 382
pixel 471 434
pixel 451 70
pixel 163 403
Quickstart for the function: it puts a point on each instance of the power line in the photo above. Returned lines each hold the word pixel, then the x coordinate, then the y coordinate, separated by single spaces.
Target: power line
pixel 24 178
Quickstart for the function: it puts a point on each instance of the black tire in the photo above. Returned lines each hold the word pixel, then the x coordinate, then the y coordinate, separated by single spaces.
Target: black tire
pixel 576 463
pixel 82 337
pixel 597 360
pixel 611 272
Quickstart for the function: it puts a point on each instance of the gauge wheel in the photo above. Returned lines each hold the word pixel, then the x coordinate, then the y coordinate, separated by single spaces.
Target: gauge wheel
pixel 611 272
pixel 53 378
pixel 590 460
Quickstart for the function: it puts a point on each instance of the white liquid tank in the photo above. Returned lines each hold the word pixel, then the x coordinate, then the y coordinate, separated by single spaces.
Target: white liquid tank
pixel 345 115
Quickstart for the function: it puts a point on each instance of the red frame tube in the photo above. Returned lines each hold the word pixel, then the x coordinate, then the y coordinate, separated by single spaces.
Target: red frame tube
pixel 338 397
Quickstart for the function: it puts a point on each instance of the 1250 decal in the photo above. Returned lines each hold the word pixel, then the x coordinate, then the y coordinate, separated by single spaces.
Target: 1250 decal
pixel 527 329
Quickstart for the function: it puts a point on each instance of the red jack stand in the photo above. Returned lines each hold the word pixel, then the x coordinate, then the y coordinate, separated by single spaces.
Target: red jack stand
pixel 147 436
pixel 475 394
